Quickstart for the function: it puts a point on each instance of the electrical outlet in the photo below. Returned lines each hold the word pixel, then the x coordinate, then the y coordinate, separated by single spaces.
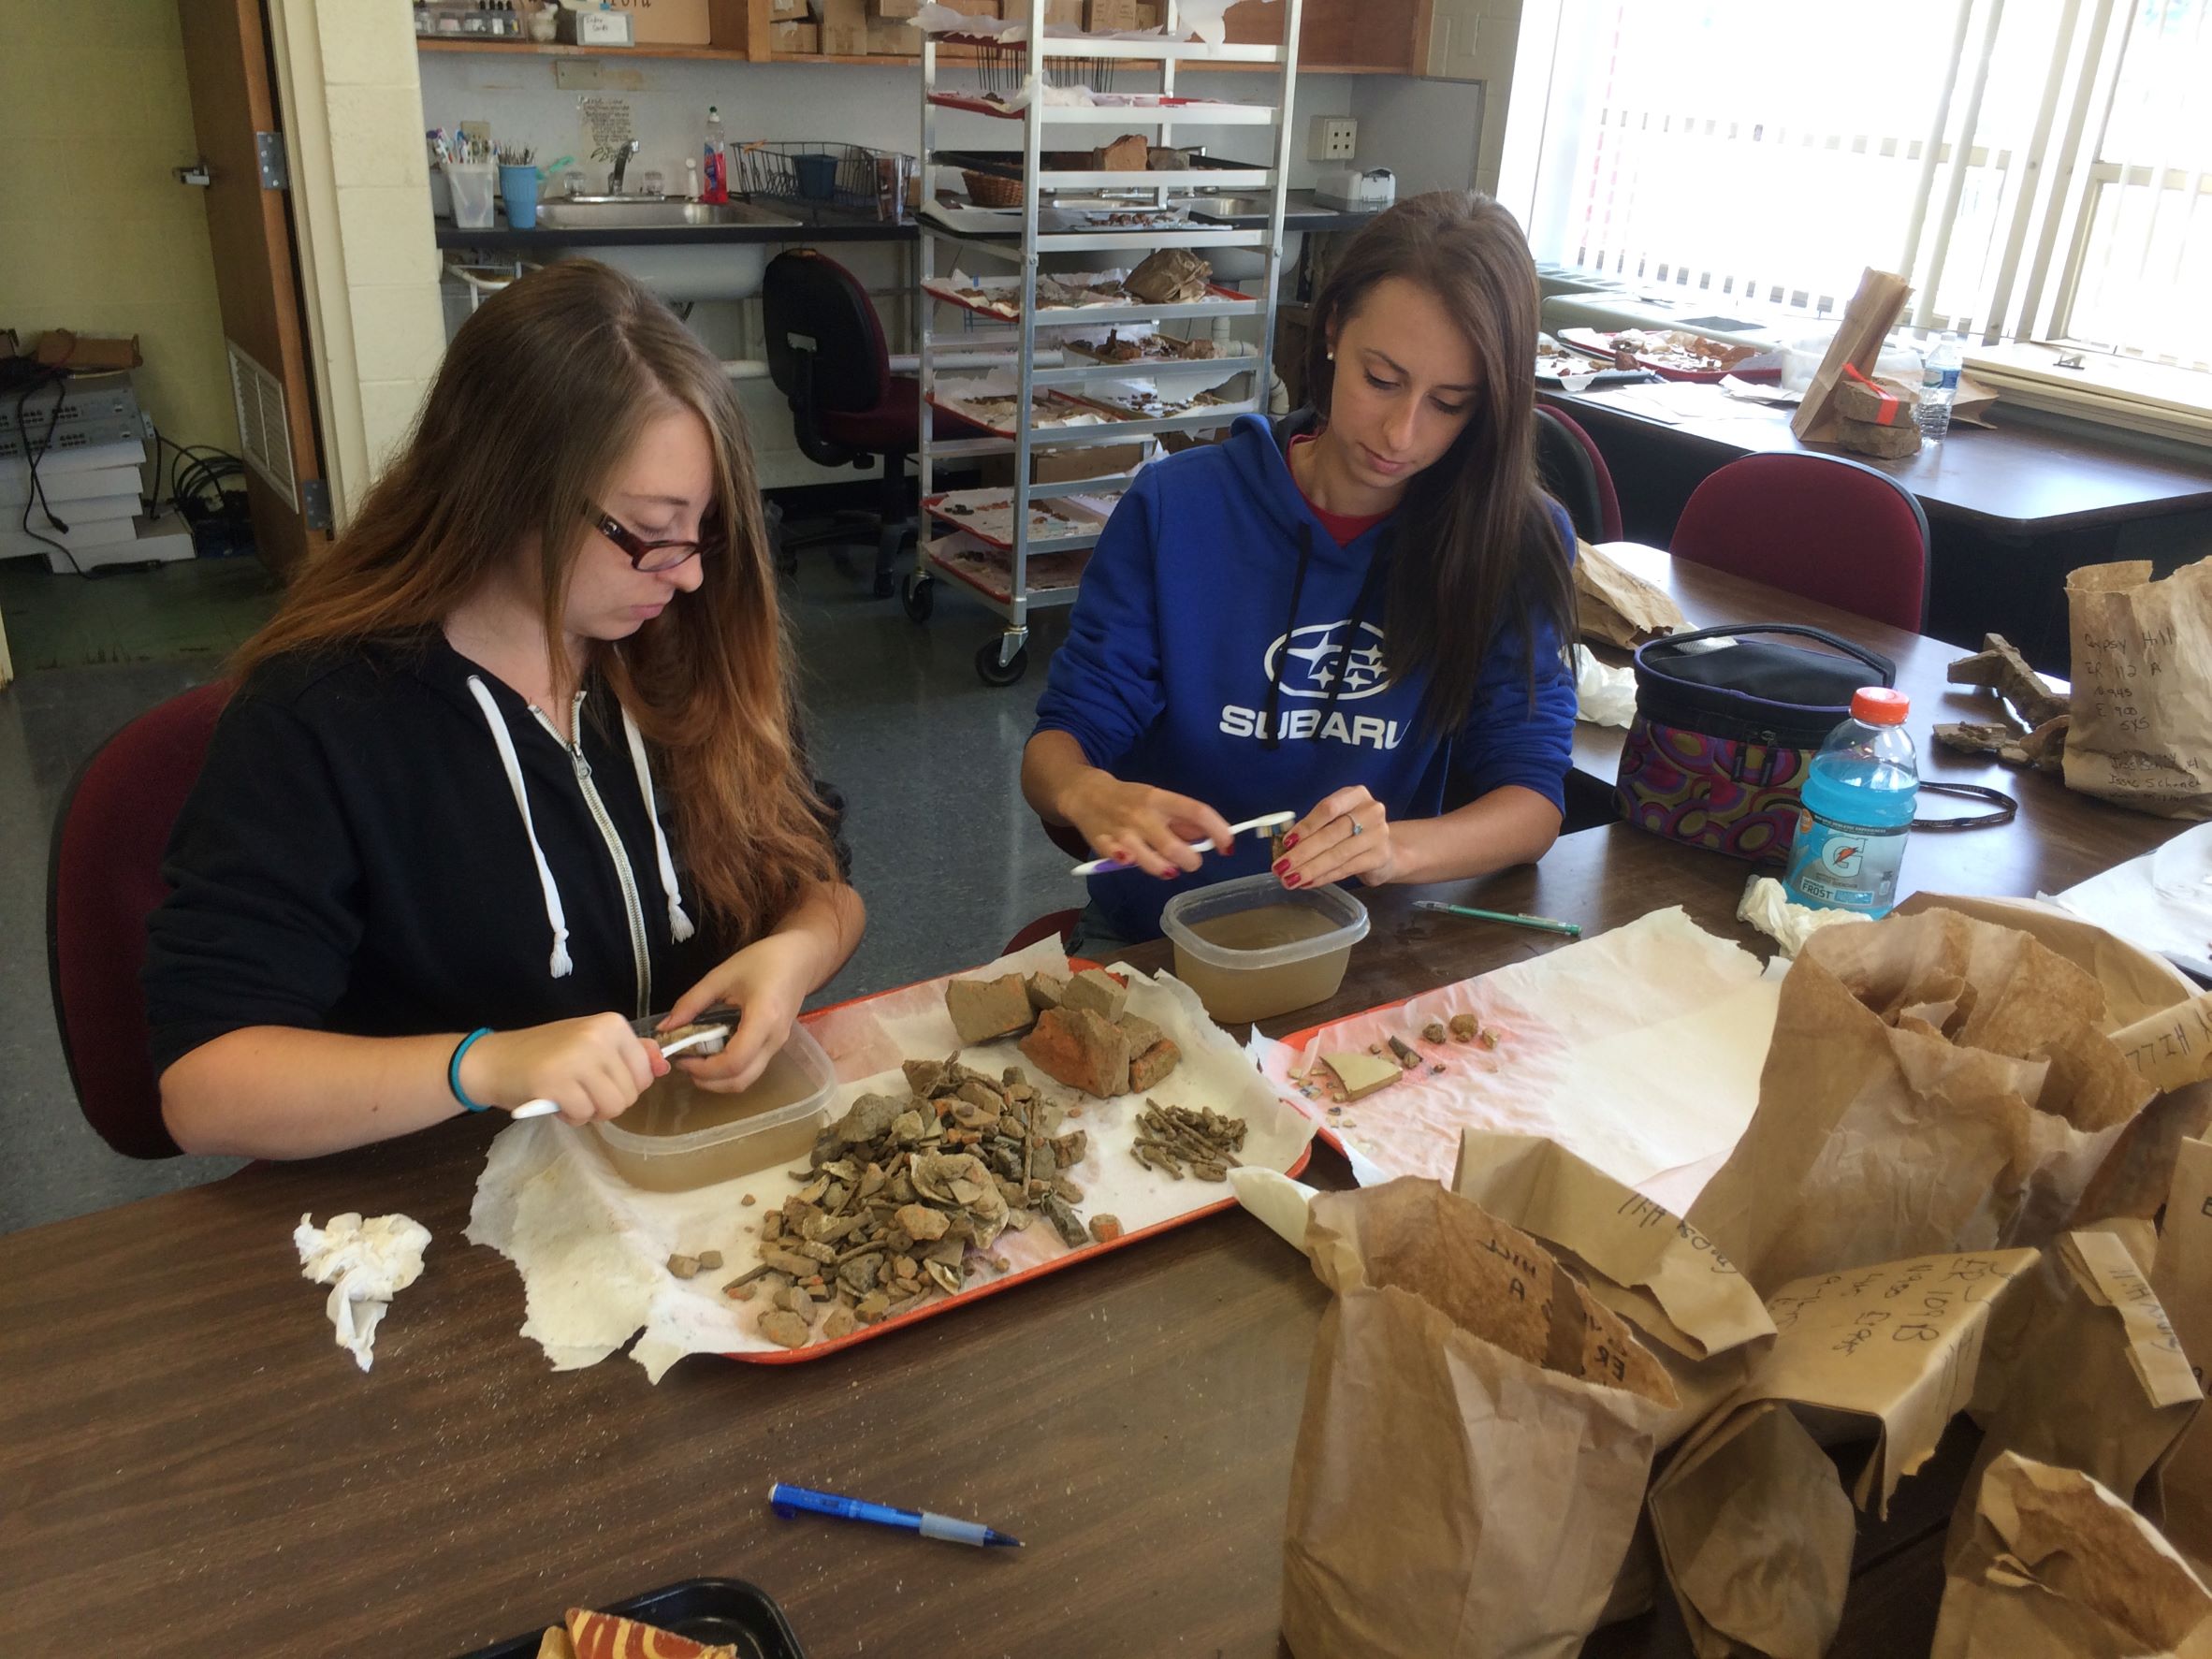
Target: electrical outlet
pixel 1336 137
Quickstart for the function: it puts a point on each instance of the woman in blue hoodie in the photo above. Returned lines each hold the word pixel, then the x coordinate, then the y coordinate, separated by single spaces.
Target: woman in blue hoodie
pixel 1358 612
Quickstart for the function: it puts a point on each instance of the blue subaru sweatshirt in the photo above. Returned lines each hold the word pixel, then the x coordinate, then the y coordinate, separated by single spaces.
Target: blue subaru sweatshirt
pixel 1217 607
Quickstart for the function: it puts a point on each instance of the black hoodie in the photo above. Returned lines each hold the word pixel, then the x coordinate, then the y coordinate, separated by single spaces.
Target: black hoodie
pixel 354 858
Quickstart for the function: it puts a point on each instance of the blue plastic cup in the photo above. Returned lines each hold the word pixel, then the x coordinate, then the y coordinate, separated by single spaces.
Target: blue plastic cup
pixel 818 176
pixel 519 185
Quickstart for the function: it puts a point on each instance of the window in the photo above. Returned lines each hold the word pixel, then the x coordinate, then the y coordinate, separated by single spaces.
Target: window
pixel 2041 169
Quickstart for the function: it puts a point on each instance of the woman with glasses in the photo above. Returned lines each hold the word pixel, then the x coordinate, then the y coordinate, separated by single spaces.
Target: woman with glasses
pixel 514 764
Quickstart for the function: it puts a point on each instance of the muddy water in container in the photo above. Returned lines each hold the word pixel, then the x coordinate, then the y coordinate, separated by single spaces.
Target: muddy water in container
pixel 1252 949
pixel 680 1136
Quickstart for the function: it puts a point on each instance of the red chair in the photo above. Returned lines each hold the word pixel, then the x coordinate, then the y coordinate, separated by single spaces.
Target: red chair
pixel 103 880
pixel 1822 527
pixel 1057 925
pixel 1576 475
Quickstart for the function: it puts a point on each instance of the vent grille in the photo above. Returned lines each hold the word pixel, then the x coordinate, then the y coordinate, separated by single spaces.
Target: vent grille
pixel 264 432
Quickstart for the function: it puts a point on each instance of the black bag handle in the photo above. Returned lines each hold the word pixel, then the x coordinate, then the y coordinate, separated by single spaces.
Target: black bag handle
pixel 1882 666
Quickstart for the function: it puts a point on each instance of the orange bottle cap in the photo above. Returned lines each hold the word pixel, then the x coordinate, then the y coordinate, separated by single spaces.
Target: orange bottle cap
pixel 1880 705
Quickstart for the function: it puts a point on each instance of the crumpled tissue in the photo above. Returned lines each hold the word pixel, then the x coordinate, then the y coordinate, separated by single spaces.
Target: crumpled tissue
pixel 1603 695
pixel 366 1263
pixel 1767 906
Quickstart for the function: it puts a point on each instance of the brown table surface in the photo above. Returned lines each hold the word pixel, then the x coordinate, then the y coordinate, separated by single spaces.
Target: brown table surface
pixel 2015 477
pixel 185 1456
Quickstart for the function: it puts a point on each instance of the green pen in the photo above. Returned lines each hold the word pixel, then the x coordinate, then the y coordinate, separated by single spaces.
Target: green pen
pixel 1541 923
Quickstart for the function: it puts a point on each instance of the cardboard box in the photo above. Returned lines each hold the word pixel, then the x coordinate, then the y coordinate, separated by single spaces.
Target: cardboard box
pixel 1109 16
pixel 888 37
pixel 894 10
pixel 87 353
pixel 803 37
pixel 797 11
pixel 666 23
pixel 975 7
pixel 844 25
pixel 1062 466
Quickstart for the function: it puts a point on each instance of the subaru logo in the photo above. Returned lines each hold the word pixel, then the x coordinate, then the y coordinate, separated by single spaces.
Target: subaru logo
pixel 1305 662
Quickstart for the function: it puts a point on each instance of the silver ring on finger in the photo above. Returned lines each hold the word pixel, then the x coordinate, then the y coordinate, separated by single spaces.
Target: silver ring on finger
pixel 1357 830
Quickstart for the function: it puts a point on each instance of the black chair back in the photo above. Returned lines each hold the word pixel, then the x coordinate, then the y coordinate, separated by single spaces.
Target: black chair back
pixel 1567 470
pixel 825 345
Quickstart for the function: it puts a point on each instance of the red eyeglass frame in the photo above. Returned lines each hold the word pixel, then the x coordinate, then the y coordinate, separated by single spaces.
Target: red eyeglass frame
pixel 638 550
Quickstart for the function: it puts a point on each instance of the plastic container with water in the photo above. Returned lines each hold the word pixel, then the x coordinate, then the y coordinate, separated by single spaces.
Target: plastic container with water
pixel 1856 809
pixel 677 1137
pixel 1253 949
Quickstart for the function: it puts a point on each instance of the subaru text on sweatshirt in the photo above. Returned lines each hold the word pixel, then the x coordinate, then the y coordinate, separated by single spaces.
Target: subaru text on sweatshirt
pixel 1218 609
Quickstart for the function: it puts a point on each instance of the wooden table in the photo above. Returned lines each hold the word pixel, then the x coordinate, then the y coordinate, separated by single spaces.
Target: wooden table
pixel 2011 508
pixel 186 1457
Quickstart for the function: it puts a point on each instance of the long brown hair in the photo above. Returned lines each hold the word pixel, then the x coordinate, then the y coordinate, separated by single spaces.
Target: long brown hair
pixel 542 395
pixel 1477 546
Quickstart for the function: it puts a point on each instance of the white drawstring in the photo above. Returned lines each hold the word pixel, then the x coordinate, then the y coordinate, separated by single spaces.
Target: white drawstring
pixel 557 918
pixel 679 924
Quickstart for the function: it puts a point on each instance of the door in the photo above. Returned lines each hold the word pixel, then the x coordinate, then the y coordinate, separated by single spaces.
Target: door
pixel 234 120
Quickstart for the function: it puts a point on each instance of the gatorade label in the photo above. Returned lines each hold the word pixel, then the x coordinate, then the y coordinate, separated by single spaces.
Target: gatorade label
pixel 1843 867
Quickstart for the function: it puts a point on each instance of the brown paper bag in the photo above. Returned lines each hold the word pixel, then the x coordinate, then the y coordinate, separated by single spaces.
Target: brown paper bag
pixel 1866 321
pixel 2182 1277
pixel 1476 1442
pixel 2142 730
pixel 1700 1317
pixel 1934 1084
pixel 1756 1536
pixel 2083 1370
pixel 1616 606
pixel 2056 1567
pixel 1750 1516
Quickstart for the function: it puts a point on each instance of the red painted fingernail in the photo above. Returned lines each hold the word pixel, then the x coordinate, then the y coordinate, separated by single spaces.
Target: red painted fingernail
pixel 1290 880
pixel 1290 840
pixel 1282 865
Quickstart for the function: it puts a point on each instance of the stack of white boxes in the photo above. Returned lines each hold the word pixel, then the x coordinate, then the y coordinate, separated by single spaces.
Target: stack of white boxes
pixel 88 478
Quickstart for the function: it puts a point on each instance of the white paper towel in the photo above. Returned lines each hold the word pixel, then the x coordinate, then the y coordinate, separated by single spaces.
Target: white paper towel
pixel 1603 695
pixel 366 1263
pixel 1767 906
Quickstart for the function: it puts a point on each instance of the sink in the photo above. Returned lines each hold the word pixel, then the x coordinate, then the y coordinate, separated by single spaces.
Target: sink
pixel 706 270
pixel 652 215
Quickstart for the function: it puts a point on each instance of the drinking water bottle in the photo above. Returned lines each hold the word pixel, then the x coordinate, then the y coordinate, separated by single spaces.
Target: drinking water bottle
pixel 1938 386
pixel 1855 808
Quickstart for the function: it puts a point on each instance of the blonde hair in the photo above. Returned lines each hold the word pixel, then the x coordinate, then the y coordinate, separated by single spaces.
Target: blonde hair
pixel 543 394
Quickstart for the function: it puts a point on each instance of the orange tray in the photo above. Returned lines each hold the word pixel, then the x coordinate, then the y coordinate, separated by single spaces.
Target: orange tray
pixel 1082 1253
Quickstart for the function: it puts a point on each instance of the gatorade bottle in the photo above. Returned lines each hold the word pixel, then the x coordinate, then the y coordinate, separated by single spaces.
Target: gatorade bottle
pixel 713 172
pixel 1856 809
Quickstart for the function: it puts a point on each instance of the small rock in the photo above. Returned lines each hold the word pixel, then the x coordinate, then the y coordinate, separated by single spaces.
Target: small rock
pixel 1063 1222
pixel 1465 1027
pixel 1434 1031
pixel 922 1075
pixel 872 1306
pixel 1105 1228
pixel 1152 1064
pixel 1045 990
pixel 749 1200
pixel 1095 989
pixel 738 1292
pixel 1082 1049
pixel 984 1010
pixel 919 1221
pixel 784 1329
pixel 710 1260
pixel 687 1267
pixel 837 1322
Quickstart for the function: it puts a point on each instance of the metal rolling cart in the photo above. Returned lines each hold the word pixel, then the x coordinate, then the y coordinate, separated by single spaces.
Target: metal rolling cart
pixel 1003 577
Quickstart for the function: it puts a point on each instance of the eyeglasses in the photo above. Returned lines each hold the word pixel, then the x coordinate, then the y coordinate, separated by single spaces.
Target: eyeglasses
pixel 645 554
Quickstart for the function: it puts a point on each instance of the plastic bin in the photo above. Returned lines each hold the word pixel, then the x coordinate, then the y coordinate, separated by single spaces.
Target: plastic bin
pixel 766 1128
pixel 1253 949
pixel 470 182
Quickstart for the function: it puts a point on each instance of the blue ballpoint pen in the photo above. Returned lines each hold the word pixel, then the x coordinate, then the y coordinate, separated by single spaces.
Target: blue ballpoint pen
pixel 788 1500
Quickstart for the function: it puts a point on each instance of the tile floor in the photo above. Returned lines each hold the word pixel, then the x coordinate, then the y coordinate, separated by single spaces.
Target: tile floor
pixel 950 860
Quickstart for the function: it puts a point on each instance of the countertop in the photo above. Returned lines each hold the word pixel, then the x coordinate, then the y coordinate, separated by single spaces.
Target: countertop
pixel 816 223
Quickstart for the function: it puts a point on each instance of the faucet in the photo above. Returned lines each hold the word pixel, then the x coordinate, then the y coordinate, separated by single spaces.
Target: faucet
pixel 622 154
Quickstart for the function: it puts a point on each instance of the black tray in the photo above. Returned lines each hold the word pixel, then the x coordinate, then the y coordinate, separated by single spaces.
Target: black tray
pixel 726 1611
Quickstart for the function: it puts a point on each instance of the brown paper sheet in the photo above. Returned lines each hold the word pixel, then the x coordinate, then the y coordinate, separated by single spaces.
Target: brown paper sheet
pixel 2135 983
pixel 2058 1567
pixel 1756 1537
pixel 2142 730
pixel 1618 607
pixel 2172 1048
pixel 1476 1442
pixel 2182 1278
pixel 1866 321
pixel 1934 1084
pixel 2082 1369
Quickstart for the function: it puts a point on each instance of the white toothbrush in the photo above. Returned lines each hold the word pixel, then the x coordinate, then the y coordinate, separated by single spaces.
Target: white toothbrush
pixel 705 1034
pixel 1271 820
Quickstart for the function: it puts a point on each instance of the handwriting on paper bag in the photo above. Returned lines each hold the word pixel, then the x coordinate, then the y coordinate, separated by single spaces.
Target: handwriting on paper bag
pixel 2172 1048
pixel 1644 1213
